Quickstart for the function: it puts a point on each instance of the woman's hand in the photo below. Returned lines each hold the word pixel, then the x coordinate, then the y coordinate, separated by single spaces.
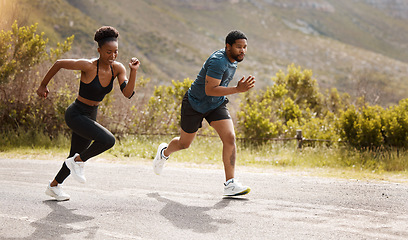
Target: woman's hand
pixel 42 91
pixel 134 64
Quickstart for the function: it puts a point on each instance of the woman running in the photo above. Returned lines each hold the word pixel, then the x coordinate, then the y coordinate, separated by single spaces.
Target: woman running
pixel 97 76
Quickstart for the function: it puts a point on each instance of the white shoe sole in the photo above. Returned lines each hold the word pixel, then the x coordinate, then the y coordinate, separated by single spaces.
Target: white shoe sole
pixel 244 192
pixel 50 193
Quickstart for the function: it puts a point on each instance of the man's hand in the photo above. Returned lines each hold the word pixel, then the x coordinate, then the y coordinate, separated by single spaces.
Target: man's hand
pixel 245 84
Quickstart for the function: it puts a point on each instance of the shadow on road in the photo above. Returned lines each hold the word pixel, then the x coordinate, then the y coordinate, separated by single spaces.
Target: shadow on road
pixel 193 217
pixel 57 223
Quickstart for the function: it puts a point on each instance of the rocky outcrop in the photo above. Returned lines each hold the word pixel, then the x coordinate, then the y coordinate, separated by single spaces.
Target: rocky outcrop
pixel 394 8
pixel 303 4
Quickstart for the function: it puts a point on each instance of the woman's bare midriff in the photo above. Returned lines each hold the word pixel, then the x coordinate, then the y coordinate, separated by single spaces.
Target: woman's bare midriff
pixel 87 101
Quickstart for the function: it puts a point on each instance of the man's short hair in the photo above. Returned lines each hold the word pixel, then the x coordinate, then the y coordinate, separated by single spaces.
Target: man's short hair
pixel 233 36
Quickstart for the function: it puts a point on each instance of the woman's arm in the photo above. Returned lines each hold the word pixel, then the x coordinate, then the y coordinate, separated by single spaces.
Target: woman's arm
pixel 128 85
pixel 72 64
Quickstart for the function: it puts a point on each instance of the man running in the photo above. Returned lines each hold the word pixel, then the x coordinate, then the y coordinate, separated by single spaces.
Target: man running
pixel 206 99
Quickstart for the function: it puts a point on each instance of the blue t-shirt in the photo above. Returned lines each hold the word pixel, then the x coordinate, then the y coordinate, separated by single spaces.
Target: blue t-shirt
pixel 217 66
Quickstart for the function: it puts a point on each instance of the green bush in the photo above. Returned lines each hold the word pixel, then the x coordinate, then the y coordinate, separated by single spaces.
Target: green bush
pixel 369 127
pixel 362 128
pixel 22 48
pixel 253 124
pixel 395 125
pixel 321 128
pixel 23 51
pixel 292 103
pixel 161 115
pixel 302 88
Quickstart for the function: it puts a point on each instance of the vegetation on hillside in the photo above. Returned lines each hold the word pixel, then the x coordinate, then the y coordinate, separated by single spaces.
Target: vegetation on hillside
pixel 289 101
pixel 23 50
pixel 336 39
pixel 293 102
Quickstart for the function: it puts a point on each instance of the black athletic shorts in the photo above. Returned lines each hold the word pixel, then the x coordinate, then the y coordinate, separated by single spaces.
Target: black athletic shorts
pixel 191 120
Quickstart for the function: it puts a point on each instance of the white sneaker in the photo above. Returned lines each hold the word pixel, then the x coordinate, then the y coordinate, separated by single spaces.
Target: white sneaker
pixel 56 192
pixel 234 188
pixel 76 168
pixel 160 159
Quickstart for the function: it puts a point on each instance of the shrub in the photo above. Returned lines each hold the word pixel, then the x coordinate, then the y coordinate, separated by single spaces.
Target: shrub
pixel 362 128
pixel 162 113
pixel 395 125
pixel 279 110
pixel 254 123
pixel 23 51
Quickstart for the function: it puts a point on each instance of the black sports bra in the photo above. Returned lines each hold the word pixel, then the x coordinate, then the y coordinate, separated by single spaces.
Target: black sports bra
pixel 94 90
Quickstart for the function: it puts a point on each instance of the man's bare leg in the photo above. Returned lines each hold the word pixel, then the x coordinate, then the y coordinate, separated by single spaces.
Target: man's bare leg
pixel 225 129
pixel 179 143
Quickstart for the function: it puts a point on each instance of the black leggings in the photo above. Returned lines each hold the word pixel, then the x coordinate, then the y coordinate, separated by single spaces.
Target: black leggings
pixel 81 119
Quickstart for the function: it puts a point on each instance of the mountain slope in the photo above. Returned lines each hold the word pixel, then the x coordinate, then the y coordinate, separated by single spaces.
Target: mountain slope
pixel 338 40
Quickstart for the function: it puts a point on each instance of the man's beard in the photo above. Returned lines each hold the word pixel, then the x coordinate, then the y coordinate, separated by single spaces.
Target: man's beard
pixel 239 59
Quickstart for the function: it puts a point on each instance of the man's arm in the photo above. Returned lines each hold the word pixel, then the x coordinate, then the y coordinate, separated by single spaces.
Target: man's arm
pixel 213 88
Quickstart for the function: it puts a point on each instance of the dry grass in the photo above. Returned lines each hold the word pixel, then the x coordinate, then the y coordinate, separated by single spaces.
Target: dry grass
pixel 205 152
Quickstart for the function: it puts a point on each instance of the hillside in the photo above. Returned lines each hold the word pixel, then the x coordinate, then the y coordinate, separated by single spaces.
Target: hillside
pixel 357 46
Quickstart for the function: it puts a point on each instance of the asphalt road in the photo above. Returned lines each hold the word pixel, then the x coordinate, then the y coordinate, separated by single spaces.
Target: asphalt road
pixel 128 201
